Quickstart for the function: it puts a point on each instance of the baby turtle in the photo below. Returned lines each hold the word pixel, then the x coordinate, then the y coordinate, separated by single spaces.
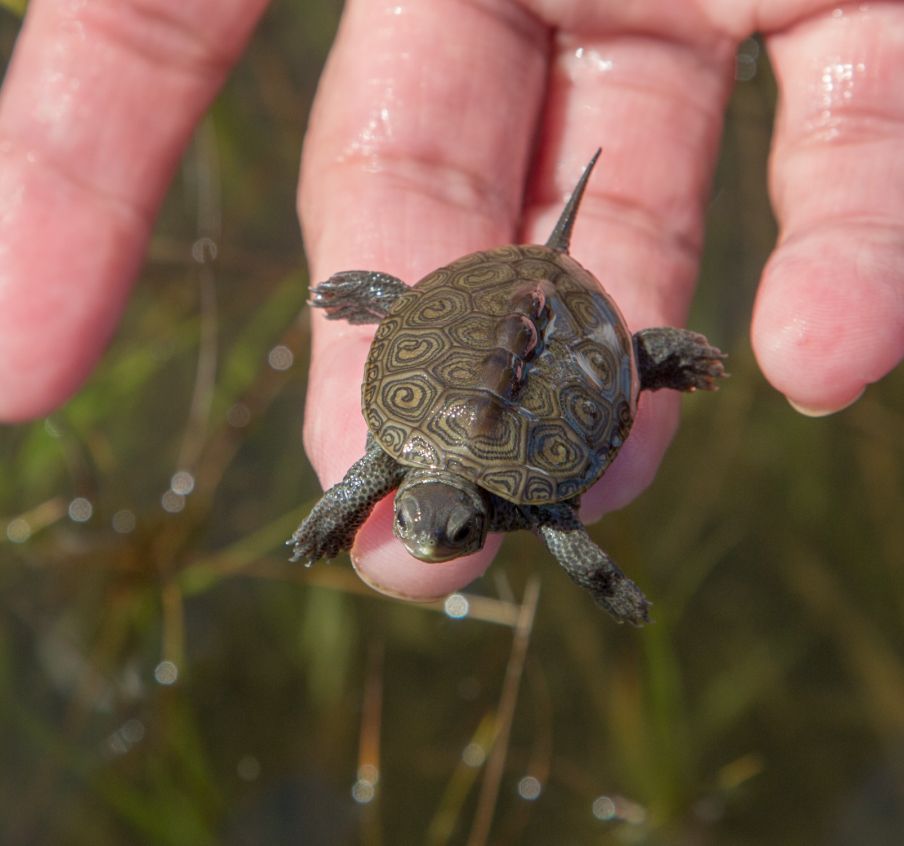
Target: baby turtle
pixel 497 390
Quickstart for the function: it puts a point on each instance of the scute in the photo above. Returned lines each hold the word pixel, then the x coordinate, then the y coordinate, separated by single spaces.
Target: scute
pixel 427 402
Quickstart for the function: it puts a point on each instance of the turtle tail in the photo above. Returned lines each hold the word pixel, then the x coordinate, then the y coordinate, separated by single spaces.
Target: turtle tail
pixel 561 235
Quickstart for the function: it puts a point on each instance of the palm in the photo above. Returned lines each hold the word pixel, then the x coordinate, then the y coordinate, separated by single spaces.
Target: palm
pixel 439 125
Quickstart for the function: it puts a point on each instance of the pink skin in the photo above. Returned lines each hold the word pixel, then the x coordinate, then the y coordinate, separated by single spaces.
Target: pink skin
pixel 423 147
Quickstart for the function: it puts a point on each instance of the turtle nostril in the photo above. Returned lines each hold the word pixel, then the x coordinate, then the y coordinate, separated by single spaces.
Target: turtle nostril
pixel 407 512
pixel 404 519
pixel 460 533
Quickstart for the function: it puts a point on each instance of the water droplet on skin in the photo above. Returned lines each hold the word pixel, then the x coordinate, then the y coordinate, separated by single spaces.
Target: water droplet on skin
pixel 839 81
pixel 585 63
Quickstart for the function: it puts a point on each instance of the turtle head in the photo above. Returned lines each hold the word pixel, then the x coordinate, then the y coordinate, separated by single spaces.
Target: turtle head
pixel 440 516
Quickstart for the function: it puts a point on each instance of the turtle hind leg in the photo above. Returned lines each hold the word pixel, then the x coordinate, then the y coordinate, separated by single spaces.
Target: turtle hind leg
pixel 678 359
pixel 358 296
pixel 590 567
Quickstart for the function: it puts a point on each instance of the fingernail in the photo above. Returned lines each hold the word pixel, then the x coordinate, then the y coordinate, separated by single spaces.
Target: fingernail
pixel 810 411
pixel 394 594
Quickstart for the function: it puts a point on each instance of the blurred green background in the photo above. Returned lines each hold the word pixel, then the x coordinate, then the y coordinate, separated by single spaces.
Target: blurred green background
pixel 166 677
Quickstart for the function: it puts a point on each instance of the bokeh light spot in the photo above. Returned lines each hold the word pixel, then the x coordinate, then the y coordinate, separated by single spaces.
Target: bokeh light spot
pixel 604 808
pixel 172 502
pixel 123 521
pixel 238 416
pixel 166 673
pixel 80 510
pixel 182 482
pixel 280 357
pixel 473 755
pixel 364 790
pixel 530 788
pixel 18 530
pixel 456 606
pixel 248 768
pixel 204 250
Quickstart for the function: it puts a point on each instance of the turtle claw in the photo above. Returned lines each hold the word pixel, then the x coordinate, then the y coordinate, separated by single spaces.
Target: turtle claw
pixel 704 370
pixel 319 536
pixel 697 364
pixel 303 548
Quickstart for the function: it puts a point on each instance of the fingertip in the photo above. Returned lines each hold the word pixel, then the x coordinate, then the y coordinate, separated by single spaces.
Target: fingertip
pixel 828 320
pixel 98 103
pixel 382 562
pixel 49 385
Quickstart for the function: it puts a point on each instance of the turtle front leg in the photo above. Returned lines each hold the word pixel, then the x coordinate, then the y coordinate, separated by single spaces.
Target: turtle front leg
pixel 567 539
pixel 677 359
pixel 358 296
pixel 333 522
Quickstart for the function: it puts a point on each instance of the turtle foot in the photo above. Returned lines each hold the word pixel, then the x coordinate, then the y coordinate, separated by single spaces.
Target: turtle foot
pixel 678 359
pixel 320 535
pixel 624 600
pixel 590 567
pixel 358 296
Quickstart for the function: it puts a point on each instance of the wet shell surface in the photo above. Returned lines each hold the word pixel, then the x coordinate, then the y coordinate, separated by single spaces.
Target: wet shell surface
pixel 510 367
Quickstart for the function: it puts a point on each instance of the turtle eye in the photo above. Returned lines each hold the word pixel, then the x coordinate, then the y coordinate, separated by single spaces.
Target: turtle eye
pixel 401 522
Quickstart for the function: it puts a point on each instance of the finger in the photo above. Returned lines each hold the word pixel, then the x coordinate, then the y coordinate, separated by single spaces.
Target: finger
pixel 655 104
pixel 382 562
pixel 98 104
pixel 829 316
pixel 416 155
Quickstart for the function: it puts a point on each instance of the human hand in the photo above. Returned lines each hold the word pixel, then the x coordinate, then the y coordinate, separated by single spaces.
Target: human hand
pixel 97 106
pixel 430 110
pixel 419 152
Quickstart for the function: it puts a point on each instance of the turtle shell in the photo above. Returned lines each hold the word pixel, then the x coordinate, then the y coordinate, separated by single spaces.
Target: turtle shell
pixel 510 367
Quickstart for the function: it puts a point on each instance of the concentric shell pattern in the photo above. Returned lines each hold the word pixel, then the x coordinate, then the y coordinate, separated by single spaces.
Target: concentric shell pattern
pixel 511 368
